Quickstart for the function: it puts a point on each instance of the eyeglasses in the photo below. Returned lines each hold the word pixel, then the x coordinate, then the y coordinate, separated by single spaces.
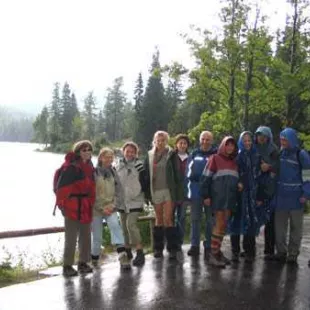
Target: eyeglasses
pixel 86 150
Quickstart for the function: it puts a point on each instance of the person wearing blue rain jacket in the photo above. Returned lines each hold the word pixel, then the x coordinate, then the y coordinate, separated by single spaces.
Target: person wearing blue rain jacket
pixel 249 214
pixel 292 194
pixel 269 166
pixel 195 166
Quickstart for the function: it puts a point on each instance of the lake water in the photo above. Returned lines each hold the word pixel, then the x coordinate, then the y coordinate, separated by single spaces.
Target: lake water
pixel 27 201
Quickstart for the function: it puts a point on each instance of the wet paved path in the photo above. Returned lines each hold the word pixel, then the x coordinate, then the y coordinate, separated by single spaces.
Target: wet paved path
pixel 166 285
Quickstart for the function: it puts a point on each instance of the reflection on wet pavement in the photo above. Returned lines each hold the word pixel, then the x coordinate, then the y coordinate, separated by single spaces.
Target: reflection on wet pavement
pixel 162 284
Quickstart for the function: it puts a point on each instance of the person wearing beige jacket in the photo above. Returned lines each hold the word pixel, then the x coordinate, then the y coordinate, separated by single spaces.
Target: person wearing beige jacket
pixel 109 194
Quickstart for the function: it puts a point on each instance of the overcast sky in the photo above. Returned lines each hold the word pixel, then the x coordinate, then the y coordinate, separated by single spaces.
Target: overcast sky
pixel 89 43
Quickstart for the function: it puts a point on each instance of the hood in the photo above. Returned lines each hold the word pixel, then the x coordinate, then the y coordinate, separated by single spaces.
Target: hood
pixel 266 131
pixel 221 149
pixel 291 135
pixel 240 141
pixel 70 157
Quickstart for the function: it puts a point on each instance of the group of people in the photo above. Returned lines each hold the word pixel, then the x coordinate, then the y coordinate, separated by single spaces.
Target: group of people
pixel 239 186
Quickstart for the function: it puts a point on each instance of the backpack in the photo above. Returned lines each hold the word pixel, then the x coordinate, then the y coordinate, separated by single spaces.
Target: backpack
pixel 56 178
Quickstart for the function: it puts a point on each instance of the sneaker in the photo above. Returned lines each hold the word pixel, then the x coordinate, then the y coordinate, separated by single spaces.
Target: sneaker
pixel 217 260
pixel 95 260
pixel 129 253
pixel 69 271
pixel 124 261
pixel 235 257
pixel 139 259
pixel 280 257
pixel 224 258
pixel 84 268
pixel 158 254
pixel 193 251
pixel 292 260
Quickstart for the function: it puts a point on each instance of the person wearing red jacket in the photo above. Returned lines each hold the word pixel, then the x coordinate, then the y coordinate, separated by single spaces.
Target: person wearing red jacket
pixel 75 196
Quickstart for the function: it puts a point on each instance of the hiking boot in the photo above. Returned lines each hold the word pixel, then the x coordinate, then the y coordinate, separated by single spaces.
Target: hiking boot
pixel 224 258
pixel 193 251
pixel 292 260
pixel 158 253
pixel 180 256
pixel 123 260
pixel 206 253
pixel 249 258
pixel 69 271
pixel 129 253
pixel 235 258
pixel 217 260
pixel 269 257
pixel 84 268
pixel 280 258
pixel 139 259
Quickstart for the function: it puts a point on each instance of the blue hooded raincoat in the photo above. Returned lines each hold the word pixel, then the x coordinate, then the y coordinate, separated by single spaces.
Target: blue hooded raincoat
pixel 248 216
pixel 291 186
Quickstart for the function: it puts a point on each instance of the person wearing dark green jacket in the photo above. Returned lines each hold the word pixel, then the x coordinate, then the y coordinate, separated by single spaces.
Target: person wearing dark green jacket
pixel 179 159
pixel 161 184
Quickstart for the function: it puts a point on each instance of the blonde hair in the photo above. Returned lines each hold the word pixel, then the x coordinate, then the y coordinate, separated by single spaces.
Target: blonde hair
pixel 103 152
pixel 160 133
pixel 131 144
pixel 81 144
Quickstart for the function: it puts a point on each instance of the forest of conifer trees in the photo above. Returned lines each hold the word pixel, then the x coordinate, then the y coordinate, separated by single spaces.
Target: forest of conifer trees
pixel 244 76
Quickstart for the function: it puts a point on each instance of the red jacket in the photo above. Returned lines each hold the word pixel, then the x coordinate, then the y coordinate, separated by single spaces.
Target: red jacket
pixel 75 194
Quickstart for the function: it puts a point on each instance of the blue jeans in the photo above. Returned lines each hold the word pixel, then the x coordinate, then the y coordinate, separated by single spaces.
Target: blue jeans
pixel 197 207
pixel 117 237
pixel 180 216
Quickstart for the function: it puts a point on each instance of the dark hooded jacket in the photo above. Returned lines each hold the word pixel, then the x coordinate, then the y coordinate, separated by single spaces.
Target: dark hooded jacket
pixel 247 218
pixel 268 151
pixel 291 186
pixel 75 189
pixel 220 178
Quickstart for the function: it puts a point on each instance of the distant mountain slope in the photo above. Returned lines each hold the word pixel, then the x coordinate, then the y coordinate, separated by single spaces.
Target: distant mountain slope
pixel 15 125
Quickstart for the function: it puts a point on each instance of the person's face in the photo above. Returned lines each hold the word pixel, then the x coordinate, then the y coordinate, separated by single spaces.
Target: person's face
pixel 182 146
pixel 230 148
pixel 206 141
pixel 284 143
pixel 160 142
pixel 106 160
pixel 130 153
pixel 85 153
pixel 247 141
pixel 261 139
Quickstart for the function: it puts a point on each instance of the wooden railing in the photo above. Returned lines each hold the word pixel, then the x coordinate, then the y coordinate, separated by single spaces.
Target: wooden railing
pixel 53 230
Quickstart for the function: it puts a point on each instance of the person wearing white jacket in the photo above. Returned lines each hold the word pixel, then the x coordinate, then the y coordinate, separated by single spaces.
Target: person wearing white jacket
pixel 131 173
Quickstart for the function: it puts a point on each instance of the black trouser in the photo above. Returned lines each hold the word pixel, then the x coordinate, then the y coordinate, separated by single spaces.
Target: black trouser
pixel 248 244
pixel 270 236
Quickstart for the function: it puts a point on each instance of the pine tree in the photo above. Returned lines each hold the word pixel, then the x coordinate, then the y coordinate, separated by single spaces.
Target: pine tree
pixel 114 110
pixel 90 119
pixel 55 117
pixel 138 94
pixel 154 112
pixel 66 115
pixel 40 127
